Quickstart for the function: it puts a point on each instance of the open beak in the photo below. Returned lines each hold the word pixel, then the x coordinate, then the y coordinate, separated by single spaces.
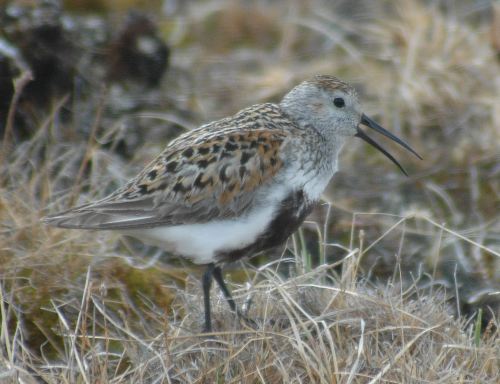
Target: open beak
pixel 365 120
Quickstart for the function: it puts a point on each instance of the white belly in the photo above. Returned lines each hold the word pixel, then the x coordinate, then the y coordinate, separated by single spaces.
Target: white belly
pixel 201 242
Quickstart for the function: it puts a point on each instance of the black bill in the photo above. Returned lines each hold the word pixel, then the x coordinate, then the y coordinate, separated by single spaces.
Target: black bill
pixel 365 120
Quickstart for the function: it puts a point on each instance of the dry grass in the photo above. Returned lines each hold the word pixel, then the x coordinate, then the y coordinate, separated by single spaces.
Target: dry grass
pixel 310 328
pixel 395 280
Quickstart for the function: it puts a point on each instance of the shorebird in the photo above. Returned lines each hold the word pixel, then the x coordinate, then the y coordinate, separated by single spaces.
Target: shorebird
pixel 238 186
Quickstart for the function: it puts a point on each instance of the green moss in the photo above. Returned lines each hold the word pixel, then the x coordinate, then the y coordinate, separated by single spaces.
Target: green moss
pixel 135 283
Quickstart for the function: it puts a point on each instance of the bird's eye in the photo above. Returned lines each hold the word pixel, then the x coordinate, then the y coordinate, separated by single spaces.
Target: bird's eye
pixel 339 102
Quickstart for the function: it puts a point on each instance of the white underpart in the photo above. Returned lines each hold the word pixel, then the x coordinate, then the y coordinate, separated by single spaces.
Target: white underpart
pixel 312 183
pixel 315 187
pixel 201 242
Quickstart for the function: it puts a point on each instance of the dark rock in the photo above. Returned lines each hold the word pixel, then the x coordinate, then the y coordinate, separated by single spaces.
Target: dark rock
pixel 138 53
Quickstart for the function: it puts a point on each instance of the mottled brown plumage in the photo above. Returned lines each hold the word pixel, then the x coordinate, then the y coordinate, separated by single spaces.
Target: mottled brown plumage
pixel 209 172
pixel 238 186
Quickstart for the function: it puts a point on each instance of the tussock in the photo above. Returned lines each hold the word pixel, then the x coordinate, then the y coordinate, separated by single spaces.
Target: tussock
pixel 308 329
pixel 393 281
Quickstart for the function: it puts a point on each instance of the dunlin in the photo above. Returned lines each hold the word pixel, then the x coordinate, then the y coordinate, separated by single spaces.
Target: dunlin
pixel 237 186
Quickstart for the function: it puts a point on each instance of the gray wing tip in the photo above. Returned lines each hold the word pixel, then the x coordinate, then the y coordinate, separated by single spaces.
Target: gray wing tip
pixel 61 220
pixel 89 219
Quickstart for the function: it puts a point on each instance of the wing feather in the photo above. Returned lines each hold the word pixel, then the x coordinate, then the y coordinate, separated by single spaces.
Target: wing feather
pixel 212 172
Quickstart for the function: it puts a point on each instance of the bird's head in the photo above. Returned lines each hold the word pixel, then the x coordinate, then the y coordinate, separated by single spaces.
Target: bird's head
pixel 332 108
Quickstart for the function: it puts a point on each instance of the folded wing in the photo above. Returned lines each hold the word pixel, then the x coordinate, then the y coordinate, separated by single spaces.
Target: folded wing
pixel 212 172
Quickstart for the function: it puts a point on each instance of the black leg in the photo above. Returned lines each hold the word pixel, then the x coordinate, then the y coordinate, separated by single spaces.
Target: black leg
pixel 207 283
pixel 217 273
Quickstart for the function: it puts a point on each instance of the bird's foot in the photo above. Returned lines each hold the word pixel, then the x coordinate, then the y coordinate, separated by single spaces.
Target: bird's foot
pixel 246 320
